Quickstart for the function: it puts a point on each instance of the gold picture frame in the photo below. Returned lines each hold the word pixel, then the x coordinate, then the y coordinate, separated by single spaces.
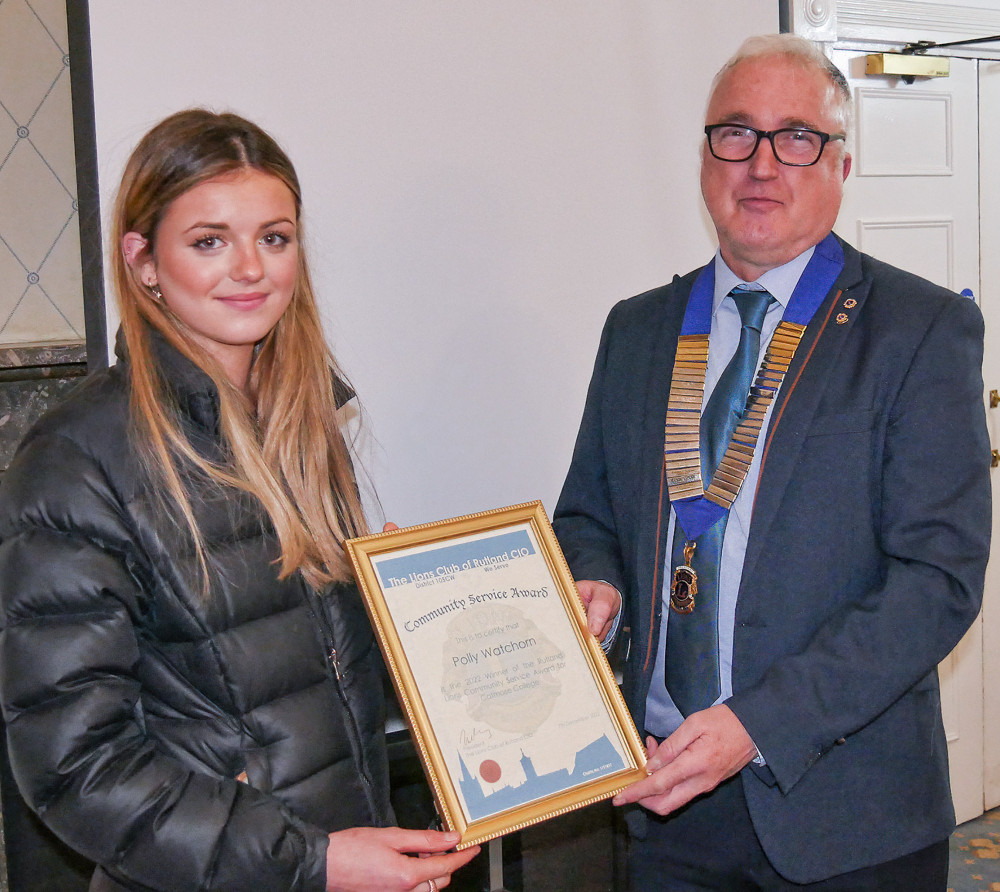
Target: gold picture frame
pixel 511 703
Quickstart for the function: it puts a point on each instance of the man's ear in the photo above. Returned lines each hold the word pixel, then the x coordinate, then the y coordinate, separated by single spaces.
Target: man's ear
pixel 847 164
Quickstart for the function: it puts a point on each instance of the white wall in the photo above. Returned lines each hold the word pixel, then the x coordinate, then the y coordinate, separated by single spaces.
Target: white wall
pixel 483 180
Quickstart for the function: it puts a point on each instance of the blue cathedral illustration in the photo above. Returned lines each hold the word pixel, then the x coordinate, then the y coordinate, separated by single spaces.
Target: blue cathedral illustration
pixel 594 760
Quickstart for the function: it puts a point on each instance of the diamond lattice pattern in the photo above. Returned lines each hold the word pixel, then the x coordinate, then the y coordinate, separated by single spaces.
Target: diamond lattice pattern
pixel 41 290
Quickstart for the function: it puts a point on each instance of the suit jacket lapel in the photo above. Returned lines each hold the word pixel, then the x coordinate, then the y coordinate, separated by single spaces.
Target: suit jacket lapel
pixel 651 495
pixel 799 398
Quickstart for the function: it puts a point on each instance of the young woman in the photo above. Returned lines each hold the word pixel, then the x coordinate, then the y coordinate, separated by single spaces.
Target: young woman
pixel 189 681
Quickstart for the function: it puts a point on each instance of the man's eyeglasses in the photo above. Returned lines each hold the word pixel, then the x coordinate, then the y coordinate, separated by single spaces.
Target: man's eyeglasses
pixel 794 146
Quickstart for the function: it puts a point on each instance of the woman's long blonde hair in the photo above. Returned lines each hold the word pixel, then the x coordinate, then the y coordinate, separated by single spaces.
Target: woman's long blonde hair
pixel 283 444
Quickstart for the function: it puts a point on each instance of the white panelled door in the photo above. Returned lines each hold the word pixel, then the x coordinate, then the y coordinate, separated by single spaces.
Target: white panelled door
pixel 912 200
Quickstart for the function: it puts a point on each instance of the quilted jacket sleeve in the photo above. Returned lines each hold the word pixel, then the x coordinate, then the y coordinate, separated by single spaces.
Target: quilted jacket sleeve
pixel 70 611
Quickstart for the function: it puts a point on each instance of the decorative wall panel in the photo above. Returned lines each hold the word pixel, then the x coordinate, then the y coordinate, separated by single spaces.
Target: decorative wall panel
pixel 41 291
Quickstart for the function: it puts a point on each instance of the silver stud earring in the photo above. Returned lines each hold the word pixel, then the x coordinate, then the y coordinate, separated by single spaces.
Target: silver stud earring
pixel 155 290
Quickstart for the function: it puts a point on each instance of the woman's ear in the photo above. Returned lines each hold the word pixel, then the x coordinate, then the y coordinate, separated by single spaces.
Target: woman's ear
pixel 135 248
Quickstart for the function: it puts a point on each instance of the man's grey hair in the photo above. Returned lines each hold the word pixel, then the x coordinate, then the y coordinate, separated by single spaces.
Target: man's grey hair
pixel 804 52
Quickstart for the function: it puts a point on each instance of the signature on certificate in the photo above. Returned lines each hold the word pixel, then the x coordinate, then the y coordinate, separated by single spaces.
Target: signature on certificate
pixel 476 735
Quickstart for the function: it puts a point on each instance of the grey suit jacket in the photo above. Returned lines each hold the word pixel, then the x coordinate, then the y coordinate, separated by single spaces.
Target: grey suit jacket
pixel 864 565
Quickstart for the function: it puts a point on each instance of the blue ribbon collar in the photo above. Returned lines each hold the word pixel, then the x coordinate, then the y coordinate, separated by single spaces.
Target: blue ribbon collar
pixel 698 514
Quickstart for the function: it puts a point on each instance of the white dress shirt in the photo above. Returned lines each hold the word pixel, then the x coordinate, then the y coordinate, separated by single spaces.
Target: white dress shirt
pixel 662 716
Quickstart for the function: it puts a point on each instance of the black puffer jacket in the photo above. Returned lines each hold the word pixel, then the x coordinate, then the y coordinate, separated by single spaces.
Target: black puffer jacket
pixel 135 707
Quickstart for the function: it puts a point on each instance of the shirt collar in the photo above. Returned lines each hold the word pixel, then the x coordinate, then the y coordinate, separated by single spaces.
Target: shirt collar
pixel 780 281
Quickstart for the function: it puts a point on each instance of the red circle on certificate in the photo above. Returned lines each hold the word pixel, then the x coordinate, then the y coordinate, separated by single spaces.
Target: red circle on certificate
pixel 489 771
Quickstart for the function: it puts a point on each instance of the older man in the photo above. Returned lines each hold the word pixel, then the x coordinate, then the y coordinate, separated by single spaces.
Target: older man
pixel 780 488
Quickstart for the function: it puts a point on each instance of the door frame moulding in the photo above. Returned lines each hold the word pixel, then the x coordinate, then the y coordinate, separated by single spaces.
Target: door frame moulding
pixel 891 24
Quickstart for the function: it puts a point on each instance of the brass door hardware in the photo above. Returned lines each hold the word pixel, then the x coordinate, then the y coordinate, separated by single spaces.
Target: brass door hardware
pixel 908 66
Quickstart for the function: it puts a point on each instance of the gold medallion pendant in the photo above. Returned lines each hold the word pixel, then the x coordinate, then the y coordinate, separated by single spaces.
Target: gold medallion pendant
pixel 684 586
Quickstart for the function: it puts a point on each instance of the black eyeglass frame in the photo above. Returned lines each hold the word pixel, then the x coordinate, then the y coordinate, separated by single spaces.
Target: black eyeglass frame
pixel 769 136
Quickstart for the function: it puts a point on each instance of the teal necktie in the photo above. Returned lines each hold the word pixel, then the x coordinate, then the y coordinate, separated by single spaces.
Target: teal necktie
pixel 692 656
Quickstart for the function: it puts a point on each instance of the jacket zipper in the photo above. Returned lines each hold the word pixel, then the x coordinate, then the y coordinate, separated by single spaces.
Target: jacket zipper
pixel 326 630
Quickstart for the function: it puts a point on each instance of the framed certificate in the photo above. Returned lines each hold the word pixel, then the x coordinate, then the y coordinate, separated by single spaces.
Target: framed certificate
pixel 512 705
